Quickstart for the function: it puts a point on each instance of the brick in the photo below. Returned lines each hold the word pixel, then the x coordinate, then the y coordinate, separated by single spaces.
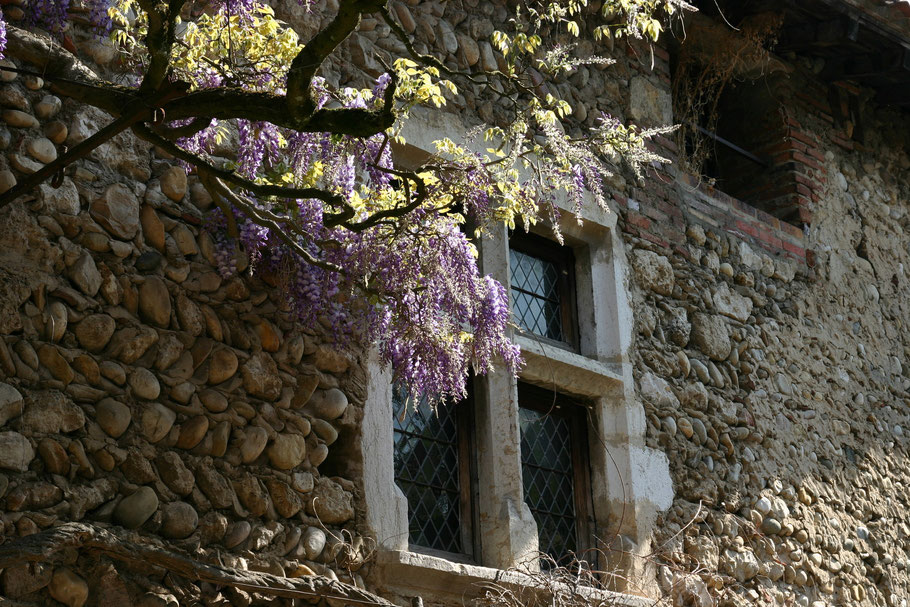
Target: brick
pixel 746 228
pixel 810 162
pixel 791 230
pixel 768 219
pixel 637 219
pixel 656 240
pixel 795 250
pixel 770 238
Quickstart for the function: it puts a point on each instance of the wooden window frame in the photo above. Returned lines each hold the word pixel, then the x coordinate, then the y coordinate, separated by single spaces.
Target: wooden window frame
pixel 564 258
pixel 467 485
pixel 550 402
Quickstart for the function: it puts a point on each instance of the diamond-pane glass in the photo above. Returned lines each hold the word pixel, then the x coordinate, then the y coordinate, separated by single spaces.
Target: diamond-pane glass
pixel 549 480
pixel 535 295
pixel 426 471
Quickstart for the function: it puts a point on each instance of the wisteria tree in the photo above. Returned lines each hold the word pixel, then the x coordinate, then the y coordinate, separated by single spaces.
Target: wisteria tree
pixel 311 195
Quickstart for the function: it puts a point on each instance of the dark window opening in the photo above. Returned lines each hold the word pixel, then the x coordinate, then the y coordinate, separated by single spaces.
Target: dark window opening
pixel 542 279
pixel 434 469
pixel 555 472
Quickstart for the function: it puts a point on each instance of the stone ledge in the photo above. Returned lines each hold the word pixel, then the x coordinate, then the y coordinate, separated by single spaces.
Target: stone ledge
pixel 568 371
pixel 423 574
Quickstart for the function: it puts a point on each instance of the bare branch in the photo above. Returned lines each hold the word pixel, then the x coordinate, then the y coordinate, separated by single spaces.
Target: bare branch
pixel 50 544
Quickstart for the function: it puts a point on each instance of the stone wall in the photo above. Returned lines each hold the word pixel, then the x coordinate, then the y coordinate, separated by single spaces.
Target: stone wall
pixel 779 390
pixel 141 390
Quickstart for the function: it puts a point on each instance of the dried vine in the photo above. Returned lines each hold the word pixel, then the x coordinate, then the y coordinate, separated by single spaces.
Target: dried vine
pixel 709 60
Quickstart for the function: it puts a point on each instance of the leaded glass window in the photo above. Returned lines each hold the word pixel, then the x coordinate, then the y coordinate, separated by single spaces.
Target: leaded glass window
pixel 541 279
pixel 432 470
pixel 553 470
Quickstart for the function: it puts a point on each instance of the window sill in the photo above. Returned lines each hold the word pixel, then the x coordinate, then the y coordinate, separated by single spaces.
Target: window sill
pixel 570 372
pixel 413 573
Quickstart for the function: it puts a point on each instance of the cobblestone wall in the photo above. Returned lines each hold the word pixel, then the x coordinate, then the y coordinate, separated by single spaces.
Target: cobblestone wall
pixel 140 389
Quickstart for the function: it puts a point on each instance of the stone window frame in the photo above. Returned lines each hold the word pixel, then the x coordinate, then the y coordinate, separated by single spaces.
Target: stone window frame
pixel 630 483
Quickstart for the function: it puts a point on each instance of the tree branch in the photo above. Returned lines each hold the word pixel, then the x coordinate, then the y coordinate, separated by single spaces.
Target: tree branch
pixel 143 112
pixel 259 189
pixel 162 22
pixel 300 101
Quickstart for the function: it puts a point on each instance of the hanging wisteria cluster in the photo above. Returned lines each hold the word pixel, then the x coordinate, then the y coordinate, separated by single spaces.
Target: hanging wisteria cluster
pixel 376 254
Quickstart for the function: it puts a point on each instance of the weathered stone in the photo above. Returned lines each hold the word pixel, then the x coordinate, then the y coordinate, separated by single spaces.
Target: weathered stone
pixel 16 452
pixel 113 372
pixel 653 271
pixel 68 588
pixel 287 502
pixel 169 350
pixel 260 377
pixel 85 274
pixel 95 331
pixel 42 150
pixel 48 106
pixel 192 432
pixel 678 328
pixel 732 304
pixel 173 183
pixel 114 417
pixel 324 430
pixel 19 119
pixel 287 451
pixel 54 456
pixel 302 481
pixel 174 473
pixel 222 365
pixel 221 435
pixel 22 579
pixel 155 302
pixel 331 360
pixel 135 509
pixel 185 241
pixel 214 486
pixel 213 401
pixel 54 362
pixel 269 336
pixel 57 321
pixel 8 180
pixel 144 384
pixel 152 228
pixel 254 441
pixel 741 565
pixel 328 501
pixel 179 520
pixel 137 469
pixel 657 391
pixel 313 542
pixel 117 210
pixel 318 454
pixel 328 404
pixel 50 412
pixel 157 421
pixel 251 494
pixel 11 403
pixel 64 200
pixel 306 386
pixel 189 316
pixel 711 336
pixel 237 533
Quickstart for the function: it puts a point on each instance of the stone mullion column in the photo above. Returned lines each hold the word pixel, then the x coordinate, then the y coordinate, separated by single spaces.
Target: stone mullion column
pixel 508 533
